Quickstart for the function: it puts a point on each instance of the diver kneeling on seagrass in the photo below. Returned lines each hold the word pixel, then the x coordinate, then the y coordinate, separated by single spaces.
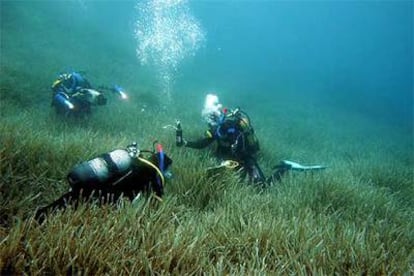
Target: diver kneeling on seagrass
pixel 237 144
pixel 122 172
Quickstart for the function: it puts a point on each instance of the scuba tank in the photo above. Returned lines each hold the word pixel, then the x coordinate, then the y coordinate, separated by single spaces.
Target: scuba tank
pixel 178 134
pixel 97 172
pixel 62 100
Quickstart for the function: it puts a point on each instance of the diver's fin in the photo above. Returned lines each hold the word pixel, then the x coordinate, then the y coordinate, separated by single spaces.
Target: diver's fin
pixel 223 166
pixel 294 166
pixel 226 164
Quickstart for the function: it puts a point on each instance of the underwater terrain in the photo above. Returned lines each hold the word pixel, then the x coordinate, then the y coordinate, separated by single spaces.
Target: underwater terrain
pixel 324 82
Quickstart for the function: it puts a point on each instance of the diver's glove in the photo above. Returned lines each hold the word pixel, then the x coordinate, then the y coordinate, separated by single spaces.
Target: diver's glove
pixel 182 143
pixel 185 142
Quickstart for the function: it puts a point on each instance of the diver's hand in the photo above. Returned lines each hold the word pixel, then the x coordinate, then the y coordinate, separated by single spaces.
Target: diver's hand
pixel 182 143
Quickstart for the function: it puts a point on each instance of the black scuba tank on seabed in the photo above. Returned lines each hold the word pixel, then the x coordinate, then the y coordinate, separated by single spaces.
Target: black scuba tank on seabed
pixel 100 171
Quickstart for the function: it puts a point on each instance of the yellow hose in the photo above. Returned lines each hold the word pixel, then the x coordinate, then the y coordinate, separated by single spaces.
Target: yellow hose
pixel 154 167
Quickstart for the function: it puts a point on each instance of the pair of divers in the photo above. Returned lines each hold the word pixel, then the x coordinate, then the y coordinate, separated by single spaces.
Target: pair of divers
pixel 73 95
pixel 124 172
pixel 130 172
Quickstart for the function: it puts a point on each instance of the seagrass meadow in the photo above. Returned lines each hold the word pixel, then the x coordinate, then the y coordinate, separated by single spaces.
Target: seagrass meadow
pixel 353 218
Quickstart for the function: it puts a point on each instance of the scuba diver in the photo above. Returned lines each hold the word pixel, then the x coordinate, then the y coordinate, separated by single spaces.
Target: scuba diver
pixel 125 172
pixel 237 144
pixel 74 95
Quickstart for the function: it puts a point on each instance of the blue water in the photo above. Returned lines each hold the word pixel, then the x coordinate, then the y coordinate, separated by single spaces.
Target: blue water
pixel 349 55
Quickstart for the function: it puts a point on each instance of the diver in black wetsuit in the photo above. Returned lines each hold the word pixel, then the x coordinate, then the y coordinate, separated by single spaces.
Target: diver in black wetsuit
pixel 236 141
pixel 235 137
pixel 122 172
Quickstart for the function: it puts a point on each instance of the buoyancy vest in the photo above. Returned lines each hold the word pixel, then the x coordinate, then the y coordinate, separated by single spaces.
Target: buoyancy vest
pixel 235 132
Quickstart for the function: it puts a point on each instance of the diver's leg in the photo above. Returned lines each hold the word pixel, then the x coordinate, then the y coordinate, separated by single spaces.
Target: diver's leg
pixel 254 171
pixel 280 171
pixel 59 203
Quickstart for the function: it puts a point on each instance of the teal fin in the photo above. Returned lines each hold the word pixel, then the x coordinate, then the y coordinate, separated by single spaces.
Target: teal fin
pixel 294 166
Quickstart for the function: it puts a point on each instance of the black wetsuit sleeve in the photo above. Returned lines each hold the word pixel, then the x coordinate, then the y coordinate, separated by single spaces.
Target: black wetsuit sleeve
pixel 200 143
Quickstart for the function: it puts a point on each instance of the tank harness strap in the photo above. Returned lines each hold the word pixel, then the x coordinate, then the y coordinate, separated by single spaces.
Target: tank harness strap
pixel 111 164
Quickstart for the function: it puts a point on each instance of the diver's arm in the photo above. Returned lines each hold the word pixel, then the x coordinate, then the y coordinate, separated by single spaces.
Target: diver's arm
pixel 199 144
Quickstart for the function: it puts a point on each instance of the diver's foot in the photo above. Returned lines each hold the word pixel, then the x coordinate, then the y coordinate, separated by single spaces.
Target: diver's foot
pixel 298 167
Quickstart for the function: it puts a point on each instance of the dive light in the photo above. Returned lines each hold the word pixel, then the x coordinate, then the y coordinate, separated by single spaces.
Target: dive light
pixel 63 100
pixel 119 90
